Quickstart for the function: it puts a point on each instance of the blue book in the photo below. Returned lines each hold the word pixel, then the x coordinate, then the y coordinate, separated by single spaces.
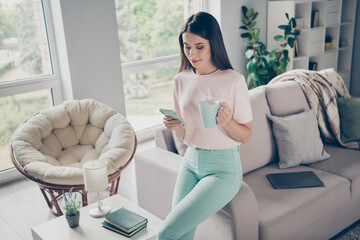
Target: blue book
pixel 118 230
pixel 125 220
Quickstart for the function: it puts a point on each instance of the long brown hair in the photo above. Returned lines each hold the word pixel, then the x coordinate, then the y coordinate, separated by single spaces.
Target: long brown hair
pixel 205 25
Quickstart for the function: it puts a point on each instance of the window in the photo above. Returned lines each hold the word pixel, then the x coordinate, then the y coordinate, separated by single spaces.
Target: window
pixel 28 76
pixel 14 110
pixel 148 34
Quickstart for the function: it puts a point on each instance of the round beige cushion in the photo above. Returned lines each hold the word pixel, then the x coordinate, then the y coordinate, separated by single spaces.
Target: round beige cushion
pixel 53 145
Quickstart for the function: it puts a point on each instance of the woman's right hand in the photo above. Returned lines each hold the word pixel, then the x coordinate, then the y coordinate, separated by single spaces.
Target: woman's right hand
pixel 171 123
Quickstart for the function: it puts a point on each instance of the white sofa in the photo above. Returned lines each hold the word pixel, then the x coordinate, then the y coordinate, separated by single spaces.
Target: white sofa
pixel 259 211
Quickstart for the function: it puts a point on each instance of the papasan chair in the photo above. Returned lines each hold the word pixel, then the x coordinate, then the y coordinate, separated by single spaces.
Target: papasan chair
pixel 51 146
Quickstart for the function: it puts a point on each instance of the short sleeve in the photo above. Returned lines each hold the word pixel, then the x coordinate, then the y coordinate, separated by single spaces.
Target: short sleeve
pixel 242 112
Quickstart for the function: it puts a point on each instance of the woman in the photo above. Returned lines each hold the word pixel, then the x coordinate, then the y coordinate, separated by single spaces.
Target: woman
pixel 210 175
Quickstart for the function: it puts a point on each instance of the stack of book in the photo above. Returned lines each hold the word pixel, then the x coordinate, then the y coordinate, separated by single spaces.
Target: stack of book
pixel 313 66
pixel 125 222
pixel 315 18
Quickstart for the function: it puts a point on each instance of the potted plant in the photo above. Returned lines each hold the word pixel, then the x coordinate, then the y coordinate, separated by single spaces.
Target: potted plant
pixel 71 208
pixel 328 40
pixel 263 65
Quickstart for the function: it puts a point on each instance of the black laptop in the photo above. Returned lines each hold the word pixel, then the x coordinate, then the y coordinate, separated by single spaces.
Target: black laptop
pixel 294 180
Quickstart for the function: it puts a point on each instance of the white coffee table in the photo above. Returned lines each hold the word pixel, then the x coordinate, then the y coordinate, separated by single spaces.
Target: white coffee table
pixel 91 228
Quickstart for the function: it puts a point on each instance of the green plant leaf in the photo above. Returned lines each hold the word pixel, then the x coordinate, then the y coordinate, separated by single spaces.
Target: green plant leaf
pixel 262 47
pixel 290 41
pixel 287 31
pixel 287 16
pixel 285 53
pixel 251 25
pixel 293 22
pixel 263 71
pixel 271 64
pixel 252 33
pixel 267 59
pixel 249 12
pixel 244 10
pixel 296 32
pixel 275 65
pixel 251 66
pixel 255 15
pixel 249 53
pixel 281 70
pixel 257 32
pixel 245 35
pixel 254 76
pixel 262 63
pixel 244 27
pixel 283 27
pixel 257 83
pixel 279 38
pixel 244 22
pixel 283 62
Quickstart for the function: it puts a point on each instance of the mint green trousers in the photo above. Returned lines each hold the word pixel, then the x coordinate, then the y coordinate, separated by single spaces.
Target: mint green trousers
pixel 206 182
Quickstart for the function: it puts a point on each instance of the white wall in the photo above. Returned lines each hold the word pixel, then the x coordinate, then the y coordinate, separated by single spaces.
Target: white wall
pixel 228 13
pixel 89 54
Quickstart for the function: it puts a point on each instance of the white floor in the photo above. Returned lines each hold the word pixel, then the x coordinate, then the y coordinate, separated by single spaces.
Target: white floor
pixel 22 205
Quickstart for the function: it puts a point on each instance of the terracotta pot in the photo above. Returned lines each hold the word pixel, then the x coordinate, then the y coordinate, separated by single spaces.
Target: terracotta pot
pixel 73 221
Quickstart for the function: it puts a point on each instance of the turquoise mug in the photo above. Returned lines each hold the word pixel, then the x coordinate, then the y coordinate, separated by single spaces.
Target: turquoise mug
pixel 208 111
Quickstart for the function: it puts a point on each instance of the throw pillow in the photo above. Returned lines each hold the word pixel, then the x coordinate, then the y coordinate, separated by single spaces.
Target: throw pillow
pixel 298 139
pixel 349 113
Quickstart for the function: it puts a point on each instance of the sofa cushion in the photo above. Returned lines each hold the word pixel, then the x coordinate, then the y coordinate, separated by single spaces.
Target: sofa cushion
pixel 349 113
pixel 261 136
pixel 298 139
pixel 286 98
pixel 343 162
pixel 294 209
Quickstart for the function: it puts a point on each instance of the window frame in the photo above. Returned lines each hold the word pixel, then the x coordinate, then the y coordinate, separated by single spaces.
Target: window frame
pixel 150 64
pixel 154 64
pixel 51 81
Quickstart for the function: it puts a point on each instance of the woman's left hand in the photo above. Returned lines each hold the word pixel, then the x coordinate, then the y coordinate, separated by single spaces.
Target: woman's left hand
pixel 224 115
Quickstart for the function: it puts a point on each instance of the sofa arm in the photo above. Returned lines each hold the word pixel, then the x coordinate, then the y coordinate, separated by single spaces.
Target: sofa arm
pixel 156 171
pixel 245 214
pixel 164 139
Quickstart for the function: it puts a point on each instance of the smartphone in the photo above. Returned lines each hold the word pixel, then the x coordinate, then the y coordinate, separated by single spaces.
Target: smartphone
pixel 171 113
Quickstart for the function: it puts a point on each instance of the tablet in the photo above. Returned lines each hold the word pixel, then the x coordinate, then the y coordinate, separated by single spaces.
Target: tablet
pixel 294 180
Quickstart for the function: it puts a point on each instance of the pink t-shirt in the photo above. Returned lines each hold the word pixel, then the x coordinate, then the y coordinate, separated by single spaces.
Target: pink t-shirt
pixel 223 85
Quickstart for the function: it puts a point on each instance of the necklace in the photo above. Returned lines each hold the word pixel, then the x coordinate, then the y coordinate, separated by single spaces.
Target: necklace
pixel 213 71
pixel 207 73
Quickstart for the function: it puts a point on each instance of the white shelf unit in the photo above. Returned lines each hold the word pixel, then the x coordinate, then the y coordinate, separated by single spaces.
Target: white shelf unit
pixel 336 20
